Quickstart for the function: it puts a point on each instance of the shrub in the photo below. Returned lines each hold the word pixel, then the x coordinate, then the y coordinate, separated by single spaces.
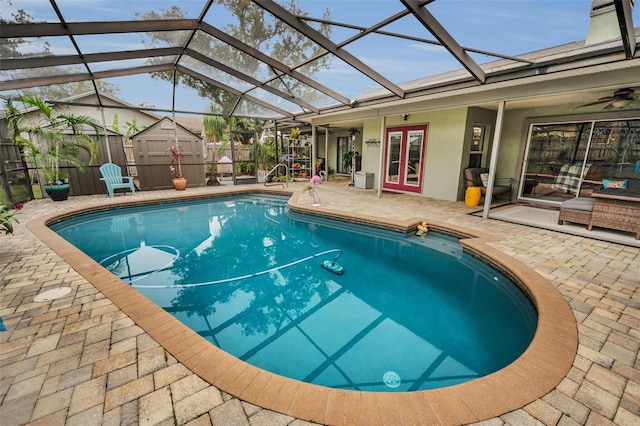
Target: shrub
pixel 8 218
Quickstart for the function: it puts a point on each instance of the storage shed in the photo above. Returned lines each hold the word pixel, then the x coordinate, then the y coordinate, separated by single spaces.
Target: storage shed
pixel 151 146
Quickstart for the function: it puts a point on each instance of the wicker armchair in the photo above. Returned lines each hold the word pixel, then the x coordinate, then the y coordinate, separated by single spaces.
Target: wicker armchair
pixel 474 177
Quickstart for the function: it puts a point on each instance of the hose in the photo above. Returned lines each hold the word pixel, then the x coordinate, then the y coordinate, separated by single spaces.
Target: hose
pixel 244 277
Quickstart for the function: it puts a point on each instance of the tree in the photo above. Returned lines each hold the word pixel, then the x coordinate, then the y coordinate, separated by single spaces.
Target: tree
pixel 16 48
pixel 12 47
pixel 214 125
pixel 254 27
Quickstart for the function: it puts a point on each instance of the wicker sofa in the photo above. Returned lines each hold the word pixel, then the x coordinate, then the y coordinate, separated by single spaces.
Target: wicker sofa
pixel 617 208
pixel 611 208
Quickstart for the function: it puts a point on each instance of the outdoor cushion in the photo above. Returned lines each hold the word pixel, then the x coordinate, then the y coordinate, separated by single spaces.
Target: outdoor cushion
pixel 633 184
pixel 569 177
pixel 610 183
pixel 484 177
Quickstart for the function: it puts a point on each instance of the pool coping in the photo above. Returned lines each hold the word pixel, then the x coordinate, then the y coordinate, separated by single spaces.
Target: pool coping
pixel 536 372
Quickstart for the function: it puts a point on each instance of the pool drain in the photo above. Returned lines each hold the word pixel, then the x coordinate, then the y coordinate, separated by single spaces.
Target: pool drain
pixel 54 293
pixel 391 379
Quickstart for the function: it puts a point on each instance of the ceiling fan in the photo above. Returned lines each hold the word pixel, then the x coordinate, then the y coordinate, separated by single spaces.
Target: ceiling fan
pixel 620 99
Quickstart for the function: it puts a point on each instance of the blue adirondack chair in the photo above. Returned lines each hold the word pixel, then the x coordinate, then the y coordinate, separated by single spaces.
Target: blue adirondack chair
pixel 112 177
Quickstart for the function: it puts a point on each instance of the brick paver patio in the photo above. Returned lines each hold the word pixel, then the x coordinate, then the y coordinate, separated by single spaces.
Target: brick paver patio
pixel 80 360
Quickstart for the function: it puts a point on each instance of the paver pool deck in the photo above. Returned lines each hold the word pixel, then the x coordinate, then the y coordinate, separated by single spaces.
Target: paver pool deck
pixel 81 359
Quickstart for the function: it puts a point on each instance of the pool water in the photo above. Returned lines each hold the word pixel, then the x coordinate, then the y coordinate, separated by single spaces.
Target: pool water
pixel 408 313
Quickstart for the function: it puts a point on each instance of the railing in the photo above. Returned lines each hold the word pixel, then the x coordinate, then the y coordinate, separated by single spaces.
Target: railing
pixel 284 184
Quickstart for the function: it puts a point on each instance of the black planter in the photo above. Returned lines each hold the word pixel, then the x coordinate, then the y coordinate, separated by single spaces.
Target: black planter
pixel 58 192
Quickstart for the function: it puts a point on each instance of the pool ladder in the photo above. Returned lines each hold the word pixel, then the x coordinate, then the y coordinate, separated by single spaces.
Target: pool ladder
pixel 275 169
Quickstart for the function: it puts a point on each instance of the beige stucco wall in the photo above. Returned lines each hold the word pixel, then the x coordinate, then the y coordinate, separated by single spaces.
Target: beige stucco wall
pixel 516 128
pixel 124 115
pixel 445 147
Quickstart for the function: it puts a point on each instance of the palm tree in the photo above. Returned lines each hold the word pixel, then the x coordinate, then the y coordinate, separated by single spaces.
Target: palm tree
pixel 214 125
pixel 52 137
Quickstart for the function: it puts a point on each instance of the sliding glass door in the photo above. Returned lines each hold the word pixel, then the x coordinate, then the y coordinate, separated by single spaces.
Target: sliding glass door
pixel 566 160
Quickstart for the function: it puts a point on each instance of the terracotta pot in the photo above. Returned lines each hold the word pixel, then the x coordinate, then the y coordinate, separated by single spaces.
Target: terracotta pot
pixel 180 184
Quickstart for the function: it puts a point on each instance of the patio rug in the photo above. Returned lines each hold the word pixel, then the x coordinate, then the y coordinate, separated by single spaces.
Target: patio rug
pixel 548 219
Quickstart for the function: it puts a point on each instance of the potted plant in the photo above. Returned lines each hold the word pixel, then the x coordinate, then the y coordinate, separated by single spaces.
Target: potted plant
pixel 52 140
pixel 294 135
pixel 179 182
pixel 265 156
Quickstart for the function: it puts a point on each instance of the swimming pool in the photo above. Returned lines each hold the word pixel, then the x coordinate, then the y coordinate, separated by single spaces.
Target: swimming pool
pixel 417 312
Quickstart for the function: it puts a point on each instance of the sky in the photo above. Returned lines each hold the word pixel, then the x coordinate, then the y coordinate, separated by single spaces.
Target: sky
pixel 509 27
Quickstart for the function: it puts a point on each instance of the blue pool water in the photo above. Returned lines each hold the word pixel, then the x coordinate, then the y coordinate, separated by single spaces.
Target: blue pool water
pixel 408 313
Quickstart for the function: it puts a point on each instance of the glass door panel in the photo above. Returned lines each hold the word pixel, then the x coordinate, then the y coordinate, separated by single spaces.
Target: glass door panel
pixel 394 141
pixel 555 164
pixel 614 152
pixel 414 156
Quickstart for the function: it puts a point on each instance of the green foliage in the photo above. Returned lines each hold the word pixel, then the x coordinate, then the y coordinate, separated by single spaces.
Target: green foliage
pixel 54 138
pixel 214 126
pixel 245 168
pixel 354 133
pixel 130 127
pixel 7 219
pixel 346 159
pixel 13 47
pixel 266 153
pixel 246 125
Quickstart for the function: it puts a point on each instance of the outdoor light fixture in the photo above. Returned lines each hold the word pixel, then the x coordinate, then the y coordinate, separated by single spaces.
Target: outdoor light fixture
pixel 405 116
pixel 621 103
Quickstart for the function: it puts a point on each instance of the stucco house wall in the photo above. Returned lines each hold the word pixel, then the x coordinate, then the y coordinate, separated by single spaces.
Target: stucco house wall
pixel 444 148
pixel 124 115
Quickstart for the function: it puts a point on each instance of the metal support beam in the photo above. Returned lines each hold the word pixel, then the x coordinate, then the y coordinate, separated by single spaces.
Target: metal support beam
pixel 70 78
pixel 249 50
pixel 234 91
pixel 383 125
pixel 232 71
pixel 315 36
pixel 49 29
pixel 495 147
pixel 438 31
pixel 54 61
pixel 625 21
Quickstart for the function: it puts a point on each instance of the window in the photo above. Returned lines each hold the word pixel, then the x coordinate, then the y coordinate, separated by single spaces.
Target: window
pixel 477 145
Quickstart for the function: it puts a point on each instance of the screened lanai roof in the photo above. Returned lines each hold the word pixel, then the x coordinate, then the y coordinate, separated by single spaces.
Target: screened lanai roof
pixel 280 59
